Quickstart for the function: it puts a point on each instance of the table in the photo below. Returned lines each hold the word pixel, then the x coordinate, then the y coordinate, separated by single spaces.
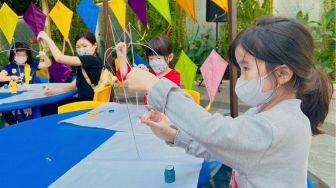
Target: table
pixel 31 97
pixel 37 152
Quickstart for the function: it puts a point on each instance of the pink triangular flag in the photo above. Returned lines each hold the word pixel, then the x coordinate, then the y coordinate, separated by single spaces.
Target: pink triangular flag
pixel 212 71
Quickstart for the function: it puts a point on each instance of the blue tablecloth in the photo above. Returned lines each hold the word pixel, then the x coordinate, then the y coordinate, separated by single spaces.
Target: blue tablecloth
pixel 36 153
pixel 4 95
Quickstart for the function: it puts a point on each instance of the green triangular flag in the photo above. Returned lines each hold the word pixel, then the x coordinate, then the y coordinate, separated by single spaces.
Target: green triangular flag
pixel 187 69
pixel 162 6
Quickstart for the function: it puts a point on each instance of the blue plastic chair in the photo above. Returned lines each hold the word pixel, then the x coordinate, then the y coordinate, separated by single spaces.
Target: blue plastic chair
pixel 207 172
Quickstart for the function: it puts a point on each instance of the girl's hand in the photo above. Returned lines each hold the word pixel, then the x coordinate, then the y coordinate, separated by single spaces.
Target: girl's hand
pixel 42 55
pixel 157 122
pixel 121 48
pixel 43 36
pixel 49 91
pixel 16 78
pixel 140 80
pixel 143 67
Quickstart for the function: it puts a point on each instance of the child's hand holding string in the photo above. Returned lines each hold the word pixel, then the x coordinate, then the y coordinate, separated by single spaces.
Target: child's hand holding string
pixel 43 36
pixel 158 123
pixel 15 78
pixel 121 49
pixel 42 55
pixel 139 80
pixel 143 67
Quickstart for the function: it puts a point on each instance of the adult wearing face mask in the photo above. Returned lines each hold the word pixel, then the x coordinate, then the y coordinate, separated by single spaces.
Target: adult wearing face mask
pixel 20 54
pixel 159 56
pixel 88 63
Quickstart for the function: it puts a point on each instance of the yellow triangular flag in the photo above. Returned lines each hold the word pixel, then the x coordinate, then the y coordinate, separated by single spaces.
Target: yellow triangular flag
pixel 222 4
pixel 119 10
pixel 62 17
pixel 188 6
pixel 8 20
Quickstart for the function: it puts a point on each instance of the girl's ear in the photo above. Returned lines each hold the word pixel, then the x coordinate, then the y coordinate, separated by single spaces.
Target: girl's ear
pixel 170 57
pixel 283 74
pixel 95 46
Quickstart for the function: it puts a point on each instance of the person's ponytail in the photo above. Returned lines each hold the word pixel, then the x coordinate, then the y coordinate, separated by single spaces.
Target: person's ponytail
pixel 316 94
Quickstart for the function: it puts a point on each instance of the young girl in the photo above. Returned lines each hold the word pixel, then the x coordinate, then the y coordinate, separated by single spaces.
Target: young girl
pixel 160 57
pixel 88 64
pixel 20 54
pixel 268 146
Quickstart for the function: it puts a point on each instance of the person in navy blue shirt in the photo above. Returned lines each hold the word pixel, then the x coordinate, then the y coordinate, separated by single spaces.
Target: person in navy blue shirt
pixel 20 54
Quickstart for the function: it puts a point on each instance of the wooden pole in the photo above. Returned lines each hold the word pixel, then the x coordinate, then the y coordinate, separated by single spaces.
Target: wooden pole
pixel 107 37
pixel 106 26
pixel 233 69
pixel 45 10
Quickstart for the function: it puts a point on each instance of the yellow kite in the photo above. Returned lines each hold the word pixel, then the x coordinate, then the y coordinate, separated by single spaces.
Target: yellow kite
pixel 222 4
pixel 188 6
pixel 162 6
pixel 62 17
pixel 119 9
pixel 8 20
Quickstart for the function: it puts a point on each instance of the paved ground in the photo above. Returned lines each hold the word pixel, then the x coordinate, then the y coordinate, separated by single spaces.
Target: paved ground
pixel 322 154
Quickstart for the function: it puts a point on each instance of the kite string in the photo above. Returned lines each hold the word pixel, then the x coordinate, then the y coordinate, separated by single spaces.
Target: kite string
pixel 130 32
pixel 124 91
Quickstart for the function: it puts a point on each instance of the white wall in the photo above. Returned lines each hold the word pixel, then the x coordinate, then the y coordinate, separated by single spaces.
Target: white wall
pixel 291 7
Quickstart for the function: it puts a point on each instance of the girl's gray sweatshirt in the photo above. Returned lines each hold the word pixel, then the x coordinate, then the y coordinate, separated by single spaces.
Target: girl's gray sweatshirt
pixel 267 149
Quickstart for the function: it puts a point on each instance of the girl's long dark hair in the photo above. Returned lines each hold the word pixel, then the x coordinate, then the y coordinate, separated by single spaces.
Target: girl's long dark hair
pixel 285 41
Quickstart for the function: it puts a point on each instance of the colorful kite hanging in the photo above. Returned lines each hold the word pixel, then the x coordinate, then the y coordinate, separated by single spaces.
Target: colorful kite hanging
pixel 88 11
pixel 188 6
pixel 222 4
pixel 62 16
pixel 212 71
pixel 139 60
pixel 139 8
pixel 8 20
pixel 187 69
pixel 35 19
pixel 119 10
pixel 162 6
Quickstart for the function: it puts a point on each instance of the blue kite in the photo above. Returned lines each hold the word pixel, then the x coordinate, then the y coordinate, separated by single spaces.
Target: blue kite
pixel 88 11
pixel 139 60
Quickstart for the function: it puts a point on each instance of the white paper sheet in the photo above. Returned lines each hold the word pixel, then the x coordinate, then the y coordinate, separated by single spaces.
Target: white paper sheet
pixel 117 120
pixel 115 164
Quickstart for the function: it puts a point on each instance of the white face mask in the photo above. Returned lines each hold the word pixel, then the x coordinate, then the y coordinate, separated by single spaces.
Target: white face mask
pixel 20 60
pixel 250 91
pixel 84 51
pixel 158 65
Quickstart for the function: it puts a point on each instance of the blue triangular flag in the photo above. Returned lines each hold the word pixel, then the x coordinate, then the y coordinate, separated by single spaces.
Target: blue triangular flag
pixel 139 60
pixel 89 12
